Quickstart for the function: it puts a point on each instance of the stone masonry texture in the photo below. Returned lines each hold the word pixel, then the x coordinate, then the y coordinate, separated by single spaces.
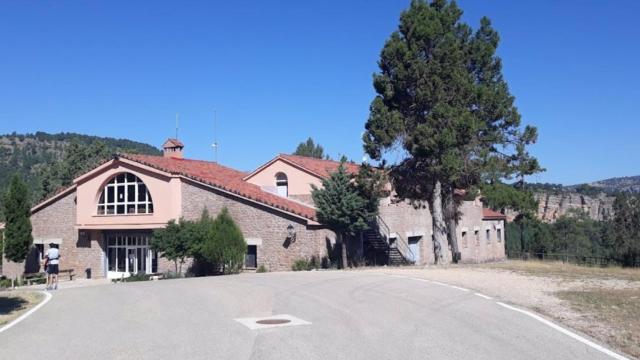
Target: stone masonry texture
pixel 277 252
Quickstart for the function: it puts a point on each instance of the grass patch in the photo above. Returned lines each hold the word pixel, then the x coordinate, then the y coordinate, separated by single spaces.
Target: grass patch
pixel 567 271
pixel 618 309
pixel 14 304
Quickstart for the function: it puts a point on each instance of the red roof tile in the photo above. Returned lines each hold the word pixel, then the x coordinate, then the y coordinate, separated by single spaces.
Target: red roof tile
pixel 319 167
pixel 492 214
pixel 224 178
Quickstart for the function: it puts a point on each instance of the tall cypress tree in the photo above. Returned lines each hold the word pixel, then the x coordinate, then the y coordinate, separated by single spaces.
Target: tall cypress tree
pixel 442 99
pixel 18 238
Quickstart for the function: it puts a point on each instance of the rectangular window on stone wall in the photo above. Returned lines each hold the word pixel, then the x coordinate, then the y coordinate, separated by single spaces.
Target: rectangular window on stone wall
pixel 464 239
pixel 488 236
pixel 477 235
pixel 499 232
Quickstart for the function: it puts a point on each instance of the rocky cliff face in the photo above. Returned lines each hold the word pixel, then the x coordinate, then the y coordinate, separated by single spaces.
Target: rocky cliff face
pixel 553 205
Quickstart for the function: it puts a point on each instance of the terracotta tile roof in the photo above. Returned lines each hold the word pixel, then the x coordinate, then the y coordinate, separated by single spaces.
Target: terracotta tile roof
pixel 224 178
pixel 489 214
pixel 173 142
pixel 319 167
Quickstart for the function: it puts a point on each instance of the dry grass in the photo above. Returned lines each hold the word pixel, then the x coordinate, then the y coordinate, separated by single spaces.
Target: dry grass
pixel 619 310
pixel 567 271
pixel 15 303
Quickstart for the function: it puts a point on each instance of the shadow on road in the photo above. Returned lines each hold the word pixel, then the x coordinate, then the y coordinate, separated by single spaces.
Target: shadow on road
pixel 11 304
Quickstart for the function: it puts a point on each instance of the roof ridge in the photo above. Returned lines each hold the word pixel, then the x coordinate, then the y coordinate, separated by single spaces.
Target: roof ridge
pixel 235 184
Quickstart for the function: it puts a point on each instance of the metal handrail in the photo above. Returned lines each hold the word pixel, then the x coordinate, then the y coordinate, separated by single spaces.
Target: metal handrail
pixel 401 244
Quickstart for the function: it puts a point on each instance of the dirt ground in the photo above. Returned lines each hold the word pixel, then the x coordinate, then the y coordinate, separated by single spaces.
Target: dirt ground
pixel 603 303
pixel 15 303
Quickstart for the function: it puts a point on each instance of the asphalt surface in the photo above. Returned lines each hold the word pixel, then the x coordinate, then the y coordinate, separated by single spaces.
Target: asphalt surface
pixel 353 315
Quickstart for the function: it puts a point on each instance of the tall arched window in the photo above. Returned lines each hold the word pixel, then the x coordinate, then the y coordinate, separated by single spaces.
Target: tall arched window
pixel 282 184
pixel 125 194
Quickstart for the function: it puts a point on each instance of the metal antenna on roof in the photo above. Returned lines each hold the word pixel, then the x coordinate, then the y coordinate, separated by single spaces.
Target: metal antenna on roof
pixel 215 137
pixel 177 122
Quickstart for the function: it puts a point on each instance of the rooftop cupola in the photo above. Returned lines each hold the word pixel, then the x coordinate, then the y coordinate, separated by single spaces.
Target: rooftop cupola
pixel 173 148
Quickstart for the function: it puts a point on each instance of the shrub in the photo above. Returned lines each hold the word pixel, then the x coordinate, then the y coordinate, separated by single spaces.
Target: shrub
pixel 5 282
pixel 306 264
pixel 262 269
pixel 224 244
pixel 141 276
pixel 171 275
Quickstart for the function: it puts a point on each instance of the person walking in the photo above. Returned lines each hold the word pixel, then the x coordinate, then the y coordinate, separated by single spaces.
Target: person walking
pixel 51 265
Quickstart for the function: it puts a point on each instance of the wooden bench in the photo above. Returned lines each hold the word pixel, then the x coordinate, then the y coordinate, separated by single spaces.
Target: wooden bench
pixel 34 278
pixel 66 272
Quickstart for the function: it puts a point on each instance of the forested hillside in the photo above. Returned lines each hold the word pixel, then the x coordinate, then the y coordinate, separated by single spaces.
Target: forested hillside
pixel 47 162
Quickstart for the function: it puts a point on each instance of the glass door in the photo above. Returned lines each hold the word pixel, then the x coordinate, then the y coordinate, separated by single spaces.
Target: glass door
pixel 129 254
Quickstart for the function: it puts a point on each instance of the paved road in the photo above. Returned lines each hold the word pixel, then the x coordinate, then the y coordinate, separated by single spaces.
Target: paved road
pixel 354 315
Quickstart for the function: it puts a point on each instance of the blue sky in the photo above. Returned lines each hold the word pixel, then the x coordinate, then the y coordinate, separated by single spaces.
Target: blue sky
pixel 278 72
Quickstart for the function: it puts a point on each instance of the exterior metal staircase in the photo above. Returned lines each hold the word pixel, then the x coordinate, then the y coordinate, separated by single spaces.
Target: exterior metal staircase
pixel 381 248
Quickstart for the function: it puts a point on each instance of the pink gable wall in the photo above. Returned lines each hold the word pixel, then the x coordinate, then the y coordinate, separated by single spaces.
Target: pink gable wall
pixel 164 189
pixel 299 181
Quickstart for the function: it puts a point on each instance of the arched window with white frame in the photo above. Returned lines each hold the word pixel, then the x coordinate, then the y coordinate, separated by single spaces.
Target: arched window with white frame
pixel 282 184
pixel 125 194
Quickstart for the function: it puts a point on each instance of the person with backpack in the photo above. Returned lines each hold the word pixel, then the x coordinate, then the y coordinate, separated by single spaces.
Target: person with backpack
pixel 52 257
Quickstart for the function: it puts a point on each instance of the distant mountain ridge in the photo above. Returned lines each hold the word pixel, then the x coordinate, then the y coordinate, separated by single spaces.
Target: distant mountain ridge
pixel 619 184
pixel 48 161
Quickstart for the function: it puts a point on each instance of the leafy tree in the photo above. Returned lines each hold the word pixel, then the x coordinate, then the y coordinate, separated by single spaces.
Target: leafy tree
pixel 442 99
pixel 625 229
pixel 516 196
pixel 343 206
pixel 310 149
pixel 176 242
pixel 572 233
pixel 18 238
pixel 224 244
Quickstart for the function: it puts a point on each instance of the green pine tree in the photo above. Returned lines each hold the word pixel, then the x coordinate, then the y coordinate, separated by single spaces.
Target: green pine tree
pixel 343 207
pixel 18 238
pixel 442 99
pixel 224 244
pixel 310 149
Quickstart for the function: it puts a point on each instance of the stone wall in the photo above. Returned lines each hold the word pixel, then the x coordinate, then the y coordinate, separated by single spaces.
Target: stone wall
pixel 264 226
pixel 57 221
pixel 405 219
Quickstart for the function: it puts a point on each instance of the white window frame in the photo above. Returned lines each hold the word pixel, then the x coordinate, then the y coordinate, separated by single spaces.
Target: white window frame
pixel 115 184
pixel 282 181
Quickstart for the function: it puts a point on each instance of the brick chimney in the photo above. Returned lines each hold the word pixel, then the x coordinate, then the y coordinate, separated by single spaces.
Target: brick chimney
pixel 173 148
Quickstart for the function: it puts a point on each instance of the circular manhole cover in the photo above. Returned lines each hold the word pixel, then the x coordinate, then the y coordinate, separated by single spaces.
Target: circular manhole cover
pixel 273 321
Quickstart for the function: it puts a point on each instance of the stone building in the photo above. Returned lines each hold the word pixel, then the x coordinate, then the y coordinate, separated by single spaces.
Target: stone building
pixel 402 230
pixel 103 222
